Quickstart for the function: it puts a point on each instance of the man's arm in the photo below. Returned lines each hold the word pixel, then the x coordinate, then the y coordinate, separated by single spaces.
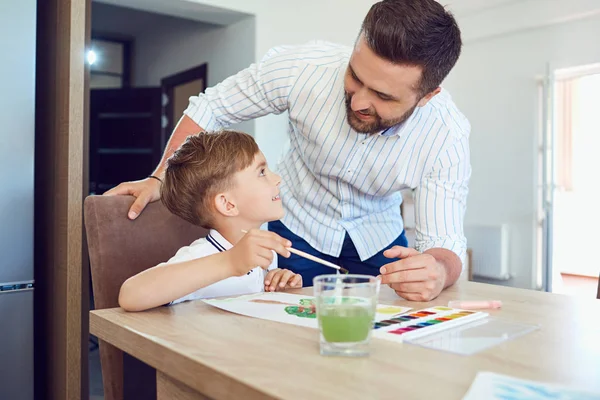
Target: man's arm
pixel 449 261
pixel 440 205
pixel 148 190
pixel 185 127
pixel 440 249
pixel 261 89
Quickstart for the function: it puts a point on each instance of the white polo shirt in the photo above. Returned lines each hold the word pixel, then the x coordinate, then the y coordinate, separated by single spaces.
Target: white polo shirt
pixel 252 282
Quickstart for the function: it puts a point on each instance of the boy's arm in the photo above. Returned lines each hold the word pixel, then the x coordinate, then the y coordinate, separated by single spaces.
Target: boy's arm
pixel 167 282
pixel 170 281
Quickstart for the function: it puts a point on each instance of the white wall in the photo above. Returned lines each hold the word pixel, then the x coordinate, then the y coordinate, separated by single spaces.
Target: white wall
pixel 494 84
pixel 179 45
pixel 484 19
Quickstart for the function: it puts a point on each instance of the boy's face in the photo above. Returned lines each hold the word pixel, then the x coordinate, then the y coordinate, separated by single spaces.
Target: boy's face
pixel 256 192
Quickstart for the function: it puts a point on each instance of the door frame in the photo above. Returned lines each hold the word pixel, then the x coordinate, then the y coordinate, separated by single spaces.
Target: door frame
pixel 168 85
pixel 548 177
pixel 60 300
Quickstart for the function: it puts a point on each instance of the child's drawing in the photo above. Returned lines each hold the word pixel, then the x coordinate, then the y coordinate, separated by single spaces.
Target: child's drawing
pixel 288 308
pixel 306 308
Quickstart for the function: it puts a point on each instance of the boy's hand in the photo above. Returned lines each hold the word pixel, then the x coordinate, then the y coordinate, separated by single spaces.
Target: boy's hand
pixel 279 279
pixel 255 250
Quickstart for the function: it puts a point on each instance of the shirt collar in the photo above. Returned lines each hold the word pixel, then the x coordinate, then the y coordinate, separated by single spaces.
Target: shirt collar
pixel 400 128
pixel 217 240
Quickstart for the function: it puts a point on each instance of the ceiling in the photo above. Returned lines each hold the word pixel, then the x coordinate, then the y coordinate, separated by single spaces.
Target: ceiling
pixel 110 19
pixel 112 12
pixel 184 9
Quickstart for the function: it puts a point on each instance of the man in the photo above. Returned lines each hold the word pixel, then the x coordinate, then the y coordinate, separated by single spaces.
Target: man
pixel 365 123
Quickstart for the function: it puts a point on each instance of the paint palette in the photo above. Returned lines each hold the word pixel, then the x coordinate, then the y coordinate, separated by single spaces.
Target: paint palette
pixel 424 322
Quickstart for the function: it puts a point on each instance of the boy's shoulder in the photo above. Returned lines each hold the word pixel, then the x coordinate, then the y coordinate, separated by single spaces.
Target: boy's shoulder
pixel 197 249
pixel 213 243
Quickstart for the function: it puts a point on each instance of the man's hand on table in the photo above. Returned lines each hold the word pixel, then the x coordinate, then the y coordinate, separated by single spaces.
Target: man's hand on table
pixel 416 276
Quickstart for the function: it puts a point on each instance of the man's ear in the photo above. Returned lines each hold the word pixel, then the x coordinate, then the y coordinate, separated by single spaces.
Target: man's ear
pixel 226 205
pixel 428 97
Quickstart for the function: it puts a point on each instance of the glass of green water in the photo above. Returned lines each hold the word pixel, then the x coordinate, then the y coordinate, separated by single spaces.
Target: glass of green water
pixel 345 310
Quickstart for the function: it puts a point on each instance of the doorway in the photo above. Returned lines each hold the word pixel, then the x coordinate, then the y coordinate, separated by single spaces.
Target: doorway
pixel 177 90
pixel 570 166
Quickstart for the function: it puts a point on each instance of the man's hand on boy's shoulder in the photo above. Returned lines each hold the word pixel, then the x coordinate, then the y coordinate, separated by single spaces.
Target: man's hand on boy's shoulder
pixel 281 279
pixel 255 249
pixel 145 191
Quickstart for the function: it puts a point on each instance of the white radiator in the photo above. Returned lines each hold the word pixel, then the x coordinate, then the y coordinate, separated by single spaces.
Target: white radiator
pixel 489 245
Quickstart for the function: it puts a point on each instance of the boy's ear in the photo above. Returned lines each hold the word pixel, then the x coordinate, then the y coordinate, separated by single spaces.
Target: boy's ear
pixel 225 205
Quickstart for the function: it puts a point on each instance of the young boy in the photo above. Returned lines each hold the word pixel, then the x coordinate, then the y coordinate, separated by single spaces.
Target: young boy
pixel 219 181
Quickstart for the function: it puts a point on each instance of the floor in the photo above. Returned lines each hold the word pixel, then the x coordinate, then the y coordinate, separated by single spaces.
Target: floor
pixel 96 389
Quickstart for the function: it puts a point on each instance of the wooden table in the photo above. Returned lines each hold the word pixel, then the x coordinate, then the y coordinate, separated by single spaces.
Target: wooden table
pixel 201 352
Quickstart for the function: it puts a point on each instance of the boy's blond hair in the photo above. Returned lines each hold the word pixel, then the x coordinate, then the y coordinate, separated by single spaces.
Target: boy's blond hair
pixel 202 167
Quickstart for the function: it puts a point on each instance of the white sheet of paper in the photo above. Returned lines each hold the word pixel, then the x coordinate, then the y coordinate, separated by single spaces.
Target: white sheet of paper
pixel 287 308
pixel 492 386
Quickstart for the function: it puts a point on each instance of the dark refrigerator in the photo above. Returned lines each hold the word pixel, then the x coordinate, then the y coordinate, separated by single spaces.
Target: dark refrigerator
pixel 17 121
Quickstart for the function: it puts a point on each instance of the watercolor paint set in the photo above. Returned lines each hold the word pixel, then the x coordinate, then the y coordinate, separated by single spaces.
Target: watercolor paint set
pixel 424 322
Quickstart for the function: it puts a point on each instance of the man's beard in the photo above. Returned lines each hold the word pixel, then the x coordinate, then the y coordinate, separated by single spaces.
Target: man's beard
pixel 378 124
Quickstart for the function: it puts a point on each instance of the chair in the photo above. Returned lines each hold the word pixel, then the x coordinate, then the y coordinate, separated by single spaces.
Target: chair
pixel 118 249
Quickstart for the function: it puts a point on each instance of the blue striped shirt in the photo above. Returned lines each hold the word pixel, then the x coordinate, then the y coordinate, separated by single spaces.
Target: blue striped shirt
pixel 335 180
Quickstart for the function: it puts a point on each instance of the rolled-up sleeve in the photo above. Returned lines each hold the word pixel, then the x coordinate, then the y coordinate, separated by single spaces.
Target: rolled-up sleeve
pixel 440 201
pixel 262 88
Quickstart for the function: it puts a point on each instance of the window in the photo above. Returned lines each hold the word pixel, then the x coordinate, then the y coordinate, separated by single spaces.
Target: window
pixel 109 63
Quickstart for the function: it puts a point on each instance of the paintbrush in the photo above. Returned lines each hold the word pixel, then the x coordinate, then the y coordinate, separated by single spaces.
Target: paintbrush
pixel 313 258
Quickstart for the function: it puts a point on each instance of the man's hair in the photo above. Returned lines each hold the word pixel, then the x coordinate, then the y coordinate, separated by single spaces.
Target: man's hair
pixel 202 167
pixel 414 32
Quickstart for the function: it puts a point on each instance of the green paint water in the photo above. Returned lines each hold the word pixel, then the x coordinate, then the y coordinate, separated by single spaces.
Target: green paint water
pixel 346 322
